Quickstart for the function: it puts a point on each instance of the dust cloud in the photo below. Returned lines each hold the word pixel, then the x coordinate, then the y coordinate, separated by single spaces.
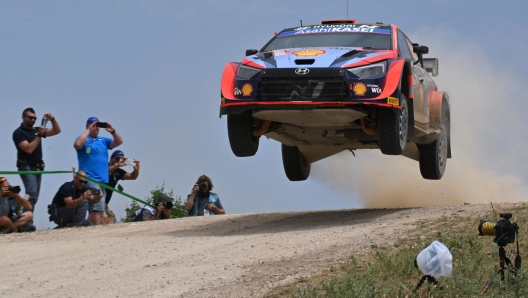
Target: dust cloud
pixel 487 146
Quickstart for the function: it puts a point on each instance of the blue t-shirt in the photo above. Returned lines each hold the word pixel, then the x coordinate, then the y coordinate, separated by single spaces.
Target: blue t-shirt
pixel 93 158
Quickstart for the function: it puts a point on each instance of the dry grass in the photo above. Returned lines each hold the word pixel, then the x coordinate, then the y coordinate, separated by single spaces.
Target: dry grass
pixel 390 271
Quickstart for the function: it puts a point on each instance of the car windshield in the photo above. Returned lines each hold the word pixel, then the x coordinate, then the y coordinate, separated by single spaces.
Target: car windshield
pixel 332 36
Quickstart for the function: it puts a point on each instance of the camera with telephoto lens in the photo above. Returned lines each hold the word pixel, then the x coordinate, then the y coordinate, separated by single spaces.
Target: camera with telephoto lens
pixel 166 205
pixel 202 188
pixel 14 189
pixel 504 230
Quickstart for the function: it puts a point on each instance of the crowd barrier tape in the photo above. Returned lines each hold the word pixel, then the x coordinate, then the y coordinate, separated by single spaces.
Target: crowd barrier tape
pixel 73 172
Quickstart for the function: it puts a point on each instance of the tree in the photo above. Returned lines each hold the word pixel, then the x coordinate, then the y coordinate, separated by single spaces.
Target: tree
pixel 177 211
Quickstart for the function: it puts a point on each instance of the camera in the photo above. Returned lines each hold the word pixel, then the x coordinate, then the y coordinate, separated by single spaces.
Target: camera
pixel 14 189
pixel 202 188
pixel 100 124
pixel 166 205
pixel 504 230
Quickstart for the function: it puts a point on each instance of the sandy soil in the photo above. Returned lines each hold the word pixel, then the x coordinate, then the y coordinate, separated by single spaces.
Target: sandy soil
pixel 214 256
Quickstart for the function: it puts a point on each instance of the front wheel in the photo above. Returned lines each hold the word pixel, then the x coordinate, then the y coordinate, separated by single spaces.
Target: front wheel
pixel 240 131
pixel 295 165
pixel 393 126
pixel 433 157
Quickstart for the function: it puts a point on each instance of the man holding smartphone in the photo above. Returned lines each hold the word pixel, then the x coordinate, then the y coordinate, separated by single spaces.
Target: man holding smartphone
pixel 70 204
pixel 118 160
pixel 28 142
pixel 92 154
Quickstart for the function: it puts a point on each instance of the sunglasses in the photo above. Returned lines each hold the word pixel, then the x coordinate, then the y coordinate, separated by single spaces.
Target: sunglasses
pixel 31 117
pixel 83 181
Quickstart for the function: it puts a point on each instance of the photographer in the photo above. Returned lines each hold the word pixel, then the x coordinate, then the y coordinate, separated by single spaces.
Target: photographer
pixel 202 201
pixel 118 160
pixel 70 204
pixel 92 154
pixel 163 210
pixel 9 222
pixel 28 142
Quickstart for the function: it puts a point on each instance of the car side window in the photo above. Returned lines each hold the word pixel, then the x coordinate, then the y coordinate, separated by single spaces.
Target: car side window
pixel 403 48
pixel 409 43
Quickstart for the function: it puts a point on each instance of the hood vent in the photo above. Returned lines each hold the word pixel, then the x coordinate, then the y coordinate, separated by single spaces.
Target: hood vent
pixel 304 61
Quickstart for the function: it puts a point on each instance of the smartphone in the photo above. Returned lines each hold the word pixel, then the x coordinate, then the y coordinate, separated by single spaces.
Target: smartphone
pixel 101 124
pixel 44 121
pixel 130 162
pixel 95 191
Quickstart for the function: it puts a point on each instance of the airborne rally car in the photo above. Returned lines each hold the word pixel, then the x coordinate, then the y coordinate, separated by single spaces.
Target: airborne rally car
pixel 341 85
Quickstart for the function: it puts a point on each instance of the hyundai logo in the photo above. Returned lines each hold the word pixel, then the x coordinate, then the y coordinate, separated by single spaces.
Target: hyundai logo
pixel 302 71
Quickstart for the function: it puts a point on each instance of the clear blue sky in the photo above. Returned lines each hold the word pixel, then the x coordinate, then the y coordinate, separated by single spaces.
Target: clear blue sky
pixel 153 69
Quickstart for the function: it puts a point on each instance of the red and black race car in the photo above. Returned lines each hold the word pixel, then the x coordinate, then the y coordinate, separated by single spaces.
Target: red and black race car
pixel 339 85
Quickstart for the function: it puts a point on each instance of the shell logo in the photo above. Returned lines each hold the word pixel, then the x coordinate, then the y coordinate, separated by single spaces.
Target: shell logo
pixel 309 53
pixel 359 89
pixel 247 89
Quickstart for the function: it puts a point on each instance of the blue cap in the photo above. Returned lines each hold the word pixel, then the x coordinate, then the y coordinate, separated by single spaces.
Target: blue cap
pixel 118 153
pixel 91 119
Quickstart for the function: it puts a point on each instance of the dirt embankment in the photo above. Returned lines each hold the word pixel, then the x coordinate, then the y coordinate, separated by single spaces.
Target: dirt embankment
pixel 215 256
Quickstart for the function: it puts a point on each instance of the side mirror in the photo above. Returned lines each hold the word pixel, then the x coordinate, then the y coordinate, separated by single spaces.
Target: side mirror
pixel 251 52
pixel 420 49
pixel 431 66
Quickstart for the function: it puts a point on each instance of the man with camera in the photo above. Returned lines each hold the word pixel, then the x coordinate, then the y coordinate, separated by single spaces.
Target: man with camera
pixel 92 154
pixel 70 204
pixel 118 160
pixel 9 221
pixel 28 141
pixel 163 210
pixel 202 201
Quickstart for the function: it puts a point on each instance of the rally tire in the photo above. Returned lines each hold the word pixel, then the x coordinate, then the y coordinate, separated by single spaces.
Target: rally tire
pixel 433 157
pixel 295 165
pixel 240 131
pixel 393 128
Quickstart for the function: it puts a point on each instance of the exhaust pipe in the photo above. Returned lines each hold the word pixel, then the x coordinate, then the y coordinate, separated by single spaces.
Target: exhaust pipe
pixel 366 127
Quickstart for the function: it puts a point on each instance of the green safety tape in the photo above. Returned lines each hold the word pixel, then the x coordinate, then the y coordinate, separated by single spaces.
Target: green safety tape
pixel 33 172
pixel 72 172
pixel 116 190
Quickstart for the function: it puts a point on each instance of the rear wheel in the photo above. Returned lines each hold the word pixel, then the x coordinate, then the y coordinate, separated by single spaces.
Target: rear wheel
pixel 393 126
pixel 295 165
pixel 240 131
pixel 433 157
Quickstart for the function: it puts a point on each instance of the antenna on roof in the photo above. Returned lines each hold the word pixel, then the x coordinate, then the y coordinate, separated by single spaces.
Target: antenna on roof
pixel 301 23
pixel 347 9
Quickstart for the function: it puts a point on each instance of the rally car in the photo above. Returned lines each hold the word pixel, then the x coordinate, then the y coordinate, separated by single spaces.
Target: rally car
pixel 339 85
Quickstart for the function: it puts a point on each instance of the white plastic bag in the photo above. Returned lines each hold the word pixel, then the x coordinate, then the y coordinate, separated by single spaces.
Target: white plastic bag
pixel 435 260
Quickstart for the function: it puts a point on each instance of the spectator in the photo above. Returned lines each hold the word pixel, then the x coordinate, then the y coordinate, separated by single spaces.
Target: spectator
pixel 70 204
pixel 92 153
pixel 163 210
pixel 117 160
pixel 202 201
pixel 28 141
pixel 9 222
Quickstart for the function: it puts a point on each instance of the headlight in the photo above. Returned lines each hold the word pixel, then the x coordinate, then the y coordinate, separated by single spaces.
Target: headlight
pixel 247 72
pixel 369 70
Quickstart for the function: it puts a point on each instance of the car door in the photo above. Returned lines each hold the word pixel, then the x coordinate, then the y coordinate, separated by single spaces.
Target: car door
pixel 420 98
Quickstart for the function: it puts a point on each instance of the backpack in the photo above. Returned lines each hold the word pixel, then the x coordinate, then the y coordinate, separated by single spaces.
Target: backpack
pixel 138 216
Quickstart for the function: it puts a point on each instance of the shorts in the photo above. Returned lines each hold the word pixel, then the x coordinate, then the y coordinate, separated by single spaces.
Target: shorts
pixel 97 206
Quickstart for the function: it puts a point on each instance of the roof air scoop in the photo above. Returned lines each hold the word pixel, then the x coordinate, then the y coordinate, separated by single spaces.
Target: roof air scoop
pixel 304 61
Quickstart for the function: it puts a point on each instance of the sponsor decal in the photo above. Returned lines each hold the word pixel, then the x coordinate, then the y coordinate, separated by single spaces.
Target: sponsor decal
pixel 393 101
pixel 309 53
pixel 302 71
pixel 247 89
pixel 337 28
pixel 237 91
pixel 359 89
pixel 374 88
pixel 278 53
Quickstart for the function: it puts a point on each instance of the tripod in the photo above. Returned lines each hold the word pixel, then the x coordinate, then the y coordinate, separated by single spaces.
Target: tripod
pixel 503 259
